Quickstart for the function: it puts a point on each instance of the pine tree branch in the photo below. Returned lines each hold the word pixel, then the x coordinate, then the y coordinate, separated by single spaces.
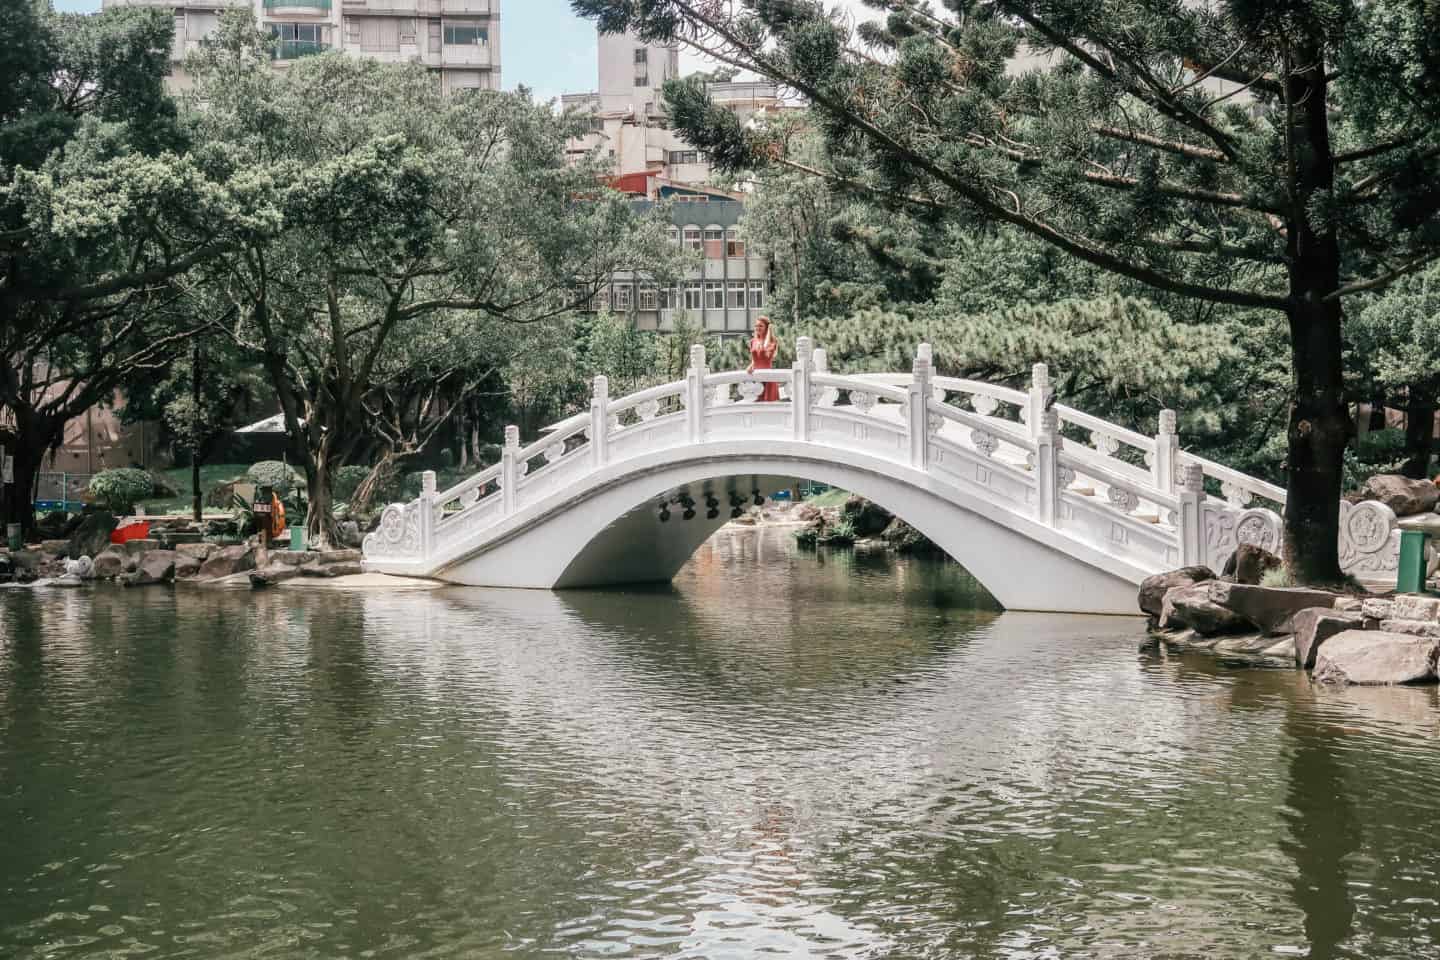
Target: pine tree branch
pixel 1169 146
pixel 1375 150
pixel 1375 283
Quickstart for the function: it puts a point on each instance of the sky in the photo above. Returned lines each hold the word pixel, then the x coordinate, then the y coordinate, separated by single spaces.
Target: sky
pixel 544 45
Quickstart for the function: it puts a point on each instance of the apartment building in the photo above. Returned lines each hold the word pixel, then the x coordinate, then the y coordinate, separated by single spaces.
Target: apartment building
pixel 627 119
pixel 726 289
pixel 459 40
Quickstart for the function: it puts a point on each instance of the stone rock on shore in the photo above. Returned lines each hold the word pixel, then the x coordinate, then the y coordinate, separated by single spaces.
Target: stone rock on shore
pixel 1377 657
pixel 1191 606
pixel 109 564
pixel 1401 494
pixel 1268 608
pixel 272 575
pixel 156 566
pixel 197 551
pixel 186 567
pixel 1249 564
pixel 92 537
pixel 867 518
pixel 1314 625
pixel 341 569
pixel 1153 589
pixel 227 561
pixel 904 538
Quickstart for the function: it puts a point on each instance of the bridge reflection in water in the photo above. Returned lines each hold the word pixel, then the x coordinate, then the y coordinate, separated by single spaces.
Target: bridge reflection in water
pixel 985 471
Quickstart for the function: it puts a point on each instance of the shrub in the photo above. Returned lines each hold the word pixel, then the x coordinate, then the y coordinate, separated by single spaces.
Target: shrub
pixel 275 474
pixel 119 490
pixel 348 480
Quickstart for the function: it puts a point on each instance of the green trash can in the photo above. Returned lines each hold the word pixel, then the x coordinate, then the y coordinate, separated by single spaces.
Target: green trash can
pixel 1411 578
pixel 297 538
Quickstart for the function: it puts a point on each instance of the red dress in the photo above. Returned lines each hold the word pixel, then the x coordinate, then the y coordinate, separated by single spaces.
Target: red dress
pixel 763 358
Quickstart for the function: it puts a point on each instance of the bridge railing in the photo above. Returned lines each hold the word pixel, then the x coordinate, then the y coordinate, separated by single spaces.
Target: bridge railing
pixel 1124 493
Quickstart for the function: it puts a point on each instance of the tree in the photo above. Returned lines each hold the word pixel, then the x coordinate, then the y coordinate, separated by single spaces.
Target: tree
pixel 1273 157
pixel 1396 341
pixel 98 215
pixel 402 209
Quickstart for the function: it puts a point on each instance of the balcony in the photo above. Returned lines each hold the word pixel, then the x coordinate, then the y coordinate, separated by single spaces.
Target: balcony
pixel 295 49
pixel 303 8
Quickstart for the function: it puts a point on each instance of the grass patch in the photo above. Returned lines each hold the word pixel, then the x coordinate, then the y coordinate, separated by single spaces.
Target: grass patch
pixel 834 497
pixel 211 475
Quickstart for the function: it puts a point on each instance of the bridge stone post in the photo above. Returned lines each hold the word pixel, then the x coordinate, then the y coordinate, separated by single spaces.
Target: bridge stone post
pixel 509 469
pixel 427 513
pixel 1042 394
pixel 1189 523
pixel 1167 444
pixel 695 394
pixel 600 422
pixel 919 412
pixel 819 361
pixel 800 388
pixel 1048 443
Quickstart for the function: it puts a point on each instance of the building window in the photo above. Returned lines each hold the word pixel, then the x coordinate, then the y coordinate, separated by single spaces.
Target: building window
pixel 675 236
pixel 642 80
pixel 734 246
pixel 642 55
pixel 692 238
pixel 668 298
pixel 649 299
pixel 620 298
pixel 684 156
pixel 714 295
pixel 757 294
pixel 714 243
pixel 692 296
pixel 466 34
pixel 735 295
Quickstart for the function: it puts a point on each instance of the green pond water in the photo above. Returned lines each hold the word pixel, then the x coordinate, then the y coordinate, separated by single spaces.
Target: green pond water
pixel 786 754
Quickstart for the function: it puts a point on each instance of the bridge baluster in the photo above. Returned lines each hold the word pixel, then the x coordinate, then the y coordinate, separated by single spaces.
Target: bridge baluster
pixel 1167 444
pixel 1042 394
pixel 800 388
pixel 695 398
pixel 509 469
pixel 427 513
pixel 1046 427
pixel 600 422
pixel 919 412
pixel 1189 523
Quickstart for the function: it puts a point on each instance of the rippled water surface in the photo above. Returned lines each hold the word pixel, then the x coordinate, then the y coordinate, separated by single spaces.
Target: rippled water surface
pixel 784 755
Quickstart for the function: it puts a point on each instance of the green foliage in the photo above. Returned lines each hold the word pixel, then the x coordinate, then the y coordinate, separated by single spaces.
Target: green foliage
pixel 841 533
pixel 273 473
pixel 120 490
pixel 1278 577
pixel 347 478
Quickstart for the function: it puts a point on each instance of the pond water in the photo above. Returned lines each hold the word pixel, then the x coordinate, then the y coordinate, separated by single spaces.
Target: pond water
pixel 786 754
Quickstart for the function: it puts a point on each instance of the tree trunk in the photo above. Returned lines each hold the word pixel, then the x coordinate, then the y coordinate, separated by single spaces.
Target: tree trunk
pixel 20 503
pixel 321 530
pixel 1320 424
pixel 196 504
pixel 1419 431
pixel 365 493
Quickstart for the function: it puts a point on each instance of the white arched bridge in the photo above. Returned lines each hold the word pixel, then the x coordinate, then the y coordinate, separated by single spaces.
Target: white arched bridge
pixel 1050 508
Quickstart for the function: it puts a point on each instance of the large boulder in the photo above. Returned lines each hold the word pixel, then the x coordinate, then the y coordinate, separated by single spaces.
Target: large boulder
pixel 904 538
pixel 227 561
pixel 1377 657
pixel 1153 589
pixel 198 551
pixel 110 564
pixel 1268 608
pixel 92 537
pixel 350 534
pixel 340 556
pixel 1401 494
pixel 139 546
pixel 186 567
pixel 1314 625
pixel 272 575
pixel 1191 606
pixel 348 569
pixel 867 518
pixel 156 566
pixel 1249 564
pixel 1415 606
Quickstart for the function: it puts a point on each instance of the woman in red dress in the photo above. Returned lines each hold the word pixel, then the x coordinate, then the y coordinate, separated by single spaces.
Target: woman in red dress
pixel 762 357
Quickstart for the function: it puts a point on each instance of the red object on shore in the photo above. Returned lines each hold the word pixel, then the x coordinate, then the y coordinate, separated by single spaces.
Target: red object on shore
pixel 138 530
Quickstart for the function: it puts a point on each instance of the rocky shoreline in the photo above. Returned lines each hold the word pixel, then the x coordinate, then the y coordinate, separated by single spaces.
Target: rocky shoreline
pixel 1339 637
pixel 174 552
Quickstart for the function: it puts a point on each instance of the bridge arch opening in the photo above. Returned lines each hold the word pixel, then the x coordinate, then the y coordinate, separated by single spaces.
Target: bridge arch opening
pixel 612 535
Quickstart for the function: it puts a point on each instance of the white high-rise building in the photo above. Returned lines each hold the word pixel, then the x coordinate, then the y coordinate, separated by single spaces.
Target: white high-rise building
pixel 627 111
pixel 458 39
